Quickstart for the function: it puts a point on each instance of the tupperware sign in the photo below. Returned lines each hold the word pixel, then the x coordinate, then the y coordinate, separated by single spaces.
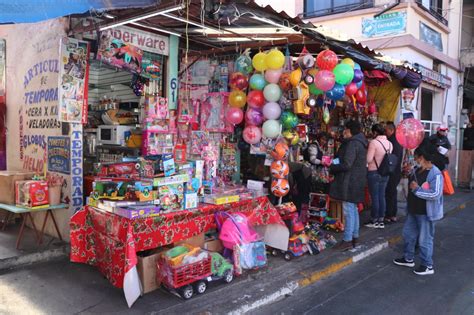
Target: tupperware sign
pixel 143 40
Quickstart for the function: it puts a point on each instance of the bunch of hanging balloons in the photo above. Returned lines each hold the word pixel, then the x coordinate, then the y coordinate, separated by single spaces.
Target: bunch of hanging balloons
pixel 263 110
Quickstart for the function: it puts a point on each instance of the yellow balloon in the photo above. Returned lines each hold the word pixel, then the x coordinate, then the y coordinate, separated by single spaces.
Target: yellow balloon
pixel 275 59
pixel 295 77
pixel 348 61
pixel 258 61
pixel 237 98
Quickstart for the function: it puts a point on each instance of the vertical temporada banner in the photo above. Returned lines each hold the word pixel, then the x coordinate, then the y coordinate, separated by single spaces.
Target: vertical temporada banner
pixel 73 80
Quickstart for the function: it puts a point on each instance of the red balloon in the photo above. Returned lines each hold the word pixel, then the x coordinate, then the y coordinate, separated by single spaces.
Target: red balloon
pixel 326 60
pixel 410 133
pixel 238 81
pixel 256 99
pixel 351 89
pixel 361 97
pixel 234 115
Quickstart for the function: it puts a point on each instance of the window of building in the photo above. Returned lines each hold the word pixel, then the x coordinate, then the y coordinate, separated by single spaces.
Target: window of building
pixel 435 7
pixel 315 8
pixel 426 104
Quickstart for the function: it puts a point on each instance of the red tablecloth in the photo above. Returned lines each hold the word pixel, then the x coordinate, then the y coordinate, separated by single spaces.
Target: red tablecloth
pixel 111 242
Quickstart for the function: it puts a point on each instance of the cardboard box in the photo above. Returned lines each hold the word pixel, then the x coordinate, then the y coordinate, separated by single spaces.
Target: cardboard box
pixel 7 184
pixel 32 193
pixel 197 241
pixel 146 267
pixel 213 246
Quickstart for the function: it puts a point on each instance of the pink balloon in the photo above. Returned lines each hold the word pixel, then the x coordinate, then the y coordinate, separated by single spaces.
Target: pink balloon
pixel 410 133
pixel 254 117
pixel 252 134
pixel 324 80
pixel 273 76
pixel 234 115
pixel 351 89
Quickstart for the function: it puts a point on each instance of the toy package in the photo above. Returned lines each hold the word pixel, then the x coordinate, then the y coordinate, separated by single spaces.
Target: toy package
pixel 250 256
pixel 169 167
pixel 213 113
pixel 199 139
pixel 191 200
pixel 32 193
pixel 171 197
pixel 156 107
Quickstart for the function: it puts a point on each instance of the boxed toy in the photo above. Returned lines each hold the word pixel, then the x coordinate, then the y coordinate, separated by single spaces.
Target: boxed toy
pixel 134 212
pixel 191 200
pixel 171 196
pixel 218 199
pixel 32 193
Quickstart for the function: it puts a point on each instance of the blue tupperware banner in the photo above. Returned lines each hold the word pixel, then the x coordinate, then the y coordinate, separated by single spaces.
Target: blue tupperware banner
pixel 30 11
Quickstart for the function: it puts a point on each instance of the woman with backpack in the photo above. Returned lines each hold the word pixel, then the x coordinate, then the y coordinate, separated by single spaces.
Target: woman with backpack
pixel 378 175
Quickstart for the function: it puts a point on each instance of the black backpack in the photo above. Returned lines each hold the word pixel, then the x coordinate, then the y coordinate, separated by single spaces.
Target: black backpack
pixel 389 163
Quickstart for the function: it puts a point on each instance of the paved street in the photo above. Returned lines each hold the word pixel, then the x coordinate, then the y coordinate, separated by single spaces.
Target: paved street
pixel 376 286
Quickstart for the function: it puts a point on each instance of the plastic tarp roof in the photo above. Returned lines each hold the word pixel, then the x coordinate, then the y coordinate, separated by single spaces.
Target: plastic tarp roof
pixel 30 11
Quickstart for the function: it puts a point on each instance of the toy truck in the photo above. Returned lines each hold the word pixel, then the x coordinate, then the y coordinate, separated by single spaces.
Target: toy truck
pixel 193 278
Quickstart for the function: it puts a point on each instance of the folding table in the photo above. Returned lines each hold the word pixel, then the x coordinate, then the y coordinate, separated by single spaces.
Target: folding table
pixel 25 213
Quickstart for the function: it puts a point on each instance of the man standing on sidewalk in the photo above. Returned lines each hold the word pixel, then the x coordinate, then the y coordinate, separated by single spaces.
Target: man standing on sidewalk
pixel 350 171
pixel 425 206
pixel 395 177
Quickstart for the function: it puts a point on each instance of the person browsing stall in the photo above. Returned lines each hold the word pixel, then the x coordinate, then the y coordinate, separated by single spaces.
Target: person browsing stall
pixel 350 174
pixel 378 148
pixel 395 177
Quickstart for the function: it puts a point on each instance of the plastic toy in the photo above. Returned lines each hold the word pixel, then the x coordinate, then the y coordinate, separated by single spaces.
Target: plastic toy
pixel 193 278
pixel 329 223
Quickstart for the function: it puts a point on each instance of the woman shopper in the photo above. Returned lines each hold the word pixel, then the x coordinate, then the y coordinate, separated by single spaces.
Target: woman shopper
pixel 378 147
pixel 425 206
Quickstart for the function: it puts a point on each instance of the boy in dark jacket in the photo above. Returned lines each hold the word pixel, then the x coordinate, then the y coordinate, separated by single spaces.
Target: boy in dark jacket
pixel 350 171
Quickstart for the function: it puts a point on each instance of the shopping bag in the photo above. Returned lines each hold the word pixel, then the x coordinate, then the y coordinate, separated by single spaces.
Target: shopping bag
pixel 448 188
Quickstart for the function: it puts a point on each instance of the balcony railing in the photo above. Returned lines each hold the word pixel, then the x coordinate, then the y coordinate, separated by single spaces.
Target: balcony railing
pixel 433 12
pixel 338 9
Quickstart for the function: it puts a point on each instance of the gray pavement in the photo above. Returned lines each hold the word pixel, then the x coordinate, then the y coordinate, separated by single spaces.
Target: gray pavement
pixel 377 286
pixel 61 287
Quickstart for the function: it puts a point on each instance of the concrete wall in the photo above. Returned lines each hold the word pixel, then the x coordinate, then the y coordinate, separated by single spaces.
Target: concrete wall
pixel 33 66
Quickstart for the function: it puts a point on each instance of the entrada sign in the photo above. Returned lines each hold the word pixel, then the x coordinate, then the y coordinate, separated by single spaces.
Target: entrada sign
pixel 144 40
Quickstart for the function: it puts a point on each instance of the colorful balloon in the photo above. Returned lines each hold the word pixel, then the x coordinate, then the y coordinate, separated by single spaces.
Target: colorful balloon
pixel 324 80
pixel 284 82
pixel 257 82
pixel 279 169
pixel 280 151
pixel 358 76
pixel 252 134
pixel 256 99
pixel 258 61
pixel 254 117
pixel 326 60
pixel 273 76
pixel 361 97
pixel 289 120
pixel 274 59
pixel 349 62
pixel 280 187
pixel 272 92
pixel 271 110
pixel 271 129
pixel 410 133
pixel 237 98
pixel 359 84
pixel 238 81
pixel 343 73
pixel 351 89
pixel 356 66
pixel 234 115
pixel 336 93
pixel 243 64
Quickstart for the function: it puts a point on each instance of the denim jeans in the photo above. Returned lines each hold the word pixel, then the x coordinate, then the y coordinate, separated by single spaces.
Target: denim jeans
pixel 419 228
pixel 377 186
pixel 351 216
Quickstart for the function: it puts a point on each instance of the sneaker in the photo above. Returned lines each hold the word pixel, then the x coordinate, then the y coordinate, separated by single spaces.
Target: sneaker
pixel 403 262
pixel 424 270
pixel 371 224
pixel 380 225
pixel 343 246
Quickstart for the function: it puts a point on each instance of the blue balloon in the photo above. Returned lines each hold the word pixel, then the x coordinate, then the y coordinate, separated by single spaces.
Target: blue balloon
pixel 357 66
pixel 337 92
pixel 359 84
pixel 257 82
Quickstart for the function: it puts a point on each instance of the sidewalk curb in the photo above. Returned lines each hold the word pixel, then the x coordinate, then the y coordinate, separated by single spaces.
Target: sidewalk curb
pixel 34 258
pixel 313 277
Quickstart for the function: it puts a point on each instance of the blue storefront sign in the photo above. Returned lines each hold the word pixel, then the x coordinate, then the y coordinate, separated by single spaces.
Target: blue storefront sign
pixel 385 24
pixel 59 154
